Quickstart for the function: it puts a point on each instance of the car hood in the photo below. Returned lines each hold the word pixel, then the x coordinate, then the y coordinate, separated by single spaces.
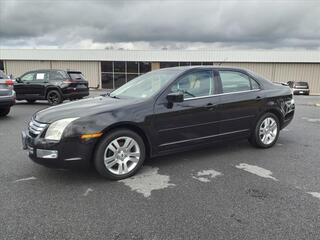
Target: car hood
pixel 82 108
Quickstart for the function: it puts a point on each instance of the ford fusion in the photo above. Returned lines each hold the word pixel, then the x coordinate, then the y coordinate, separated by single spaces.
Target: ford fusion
pixel 161 112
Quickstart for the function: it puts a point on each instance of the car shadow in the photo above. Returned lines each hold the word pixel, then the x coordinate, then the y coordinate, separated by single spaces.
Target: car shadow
pixel 91 176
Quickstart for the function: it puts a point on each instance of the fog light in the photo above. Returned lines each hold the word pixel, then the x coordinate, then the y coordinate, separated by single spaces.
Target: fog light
pixel 41 153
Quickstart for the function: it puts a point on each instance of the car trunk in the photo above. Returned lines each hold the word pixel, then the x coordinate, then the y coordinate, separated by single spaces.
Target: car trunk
pixel 5 89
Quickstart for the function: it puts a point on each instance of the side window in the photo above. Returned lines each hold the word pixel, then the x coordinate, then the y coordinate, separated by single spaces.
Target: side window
pixel 234 81
pixel 195 84
pixel 28 77
pixel 42 76
pixel 56 75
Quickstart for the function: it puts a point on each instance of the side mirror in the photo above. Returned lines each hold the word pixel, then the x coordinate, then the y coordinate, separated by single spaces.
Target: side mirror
pixel 18 80
pixel 175 97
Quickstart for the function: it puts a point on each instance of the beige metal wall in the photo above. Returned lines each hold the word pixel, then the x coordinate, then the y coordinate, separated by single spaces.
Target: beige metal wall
pixel 91 70
pixel 284 72
pixel 17 68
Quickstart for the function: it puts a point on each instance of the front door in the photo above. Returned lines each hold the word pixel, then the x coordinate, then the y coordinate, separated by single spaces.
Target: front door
pixel 191 121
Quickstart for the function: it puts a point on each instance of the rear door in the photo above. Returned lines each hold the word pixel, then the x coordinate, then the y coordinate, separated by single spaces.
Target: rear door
pixel 240 101
pixel 191 121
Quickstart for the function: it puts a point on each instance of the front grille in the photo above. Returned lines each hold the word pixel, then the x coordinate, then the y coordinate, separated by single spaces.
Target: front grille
pixel 36 128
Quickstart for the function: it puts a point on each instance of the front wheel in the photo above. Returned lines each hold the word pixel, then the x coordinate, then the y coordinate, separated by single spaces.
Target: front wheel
pixel 120 154
pixel 4 112
pixel 266 132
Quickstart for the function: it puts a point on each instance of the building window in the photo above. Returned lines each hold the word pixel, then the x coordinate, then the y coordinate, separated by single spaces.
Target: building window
pixel 132 67
pixel 115 74
pixel 106 66
pixel 168 64
pixel 1 65
pixel 144 67
pixel 107 80
pixel 184 64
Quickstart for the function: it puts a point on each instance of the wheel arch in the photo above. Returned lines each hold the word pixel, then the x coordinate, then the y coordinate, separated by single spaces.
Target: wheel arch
pixel 276 112
pixel 49 88
pixel 130 126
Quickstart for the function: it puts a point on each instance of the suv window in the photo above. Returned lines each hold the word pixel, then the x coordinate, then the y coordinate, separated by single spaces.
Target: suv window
pixel 57 75
pixel 195 84
pixel 42 76
pixel 236 82
pixel 28 77
pixel 76 76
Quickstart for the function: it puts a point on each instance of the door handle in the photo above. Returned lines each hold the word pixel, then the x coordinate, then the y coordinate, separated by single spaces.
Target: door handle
pixel 211 107
pixel 258 98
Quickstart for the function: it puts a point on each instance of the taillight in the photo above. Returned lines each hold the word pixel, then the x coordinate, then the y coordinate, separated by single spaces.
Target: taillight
pixel 67 81
pixel 9 82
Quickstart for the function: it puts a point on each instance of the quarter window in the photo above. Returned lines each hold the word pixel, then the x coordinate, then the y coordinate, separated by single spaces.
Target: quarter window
pixel 234 82
pixel 56 75
pixel 196 84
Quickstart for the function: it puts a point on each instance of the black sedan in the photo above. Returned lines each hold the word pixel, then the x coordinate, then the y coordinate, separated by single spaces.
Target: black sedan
pixel 161 112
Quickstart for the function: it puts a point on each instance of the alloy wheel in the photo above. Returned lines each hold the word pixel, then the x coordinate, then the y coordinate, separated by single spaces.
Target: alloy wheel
pixel 268 130
pixel 122 155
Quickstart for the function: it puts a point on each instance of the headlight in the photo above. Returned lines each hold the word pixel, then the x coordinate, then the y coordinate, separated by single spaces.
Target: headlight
pixel 55 130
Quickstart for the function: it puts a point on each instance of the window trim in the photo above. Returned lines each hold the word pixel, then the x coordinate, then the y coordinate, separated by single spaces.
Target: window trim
pixel 250 78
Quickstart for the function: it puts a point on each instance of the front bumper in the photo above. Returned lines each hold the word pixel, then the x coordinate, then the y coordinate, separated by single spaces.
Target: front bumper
pixel 72 152
pixel 74 93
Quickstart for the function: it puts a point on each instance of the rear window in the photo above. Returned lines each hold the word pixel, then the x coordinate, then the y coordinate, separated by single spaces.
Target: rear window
pixel 76 76
pixel 301 84
pixel 3 76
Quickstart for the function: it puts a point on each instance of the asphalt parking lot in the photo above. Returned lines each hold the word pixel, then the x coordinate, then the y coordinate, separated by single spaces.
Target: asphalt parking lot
pixel 229 191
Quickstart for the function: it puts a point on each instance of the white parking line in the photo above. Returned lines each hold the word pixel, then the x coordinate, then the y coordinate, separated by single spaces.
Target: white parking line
pixel 147 180
pixel 259 171
pixel 313 120
pixel 207 175
pixel 25 179
pixel 87 192
pixel 315 194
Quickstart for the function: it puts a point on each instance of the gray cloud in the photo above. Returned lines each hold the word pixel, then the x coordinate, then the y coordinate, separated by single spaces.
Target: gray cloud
pixel 158 24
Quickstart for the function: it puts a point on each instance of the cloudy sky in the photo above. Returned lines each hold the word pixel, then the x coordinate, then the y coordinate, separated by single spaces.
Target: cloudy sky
pixel 153 24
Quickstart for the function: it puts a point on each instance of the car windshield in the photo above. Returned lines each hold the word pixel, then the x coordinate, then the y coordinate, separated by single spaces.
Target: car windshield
pixel 146 85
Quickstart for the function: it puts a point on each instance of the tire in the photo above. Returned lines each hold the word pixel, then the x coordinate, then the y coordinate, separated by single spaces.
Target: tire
pixel 31 101
pixel 54 97
pixel 4 111
pixel 118 157
pixel 271 133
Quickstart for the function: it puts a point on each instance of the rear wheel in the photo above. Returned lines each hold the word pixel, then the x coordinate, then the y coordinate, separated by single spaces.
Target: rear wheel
pixel 266 131
pixel 120 154
pixel 4 111
pixel 54 97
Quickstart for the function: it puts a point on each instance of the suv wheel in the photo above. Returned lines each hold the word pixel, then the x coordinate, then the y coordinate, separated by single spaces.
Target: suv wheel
pixel 266 132
pixel 54 97
pixel 120 154
pixel 4 112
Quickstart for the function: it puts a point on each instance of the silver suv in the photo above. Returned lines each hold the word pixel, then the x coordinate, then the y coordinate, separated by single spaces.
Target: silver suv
pixel 7 94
